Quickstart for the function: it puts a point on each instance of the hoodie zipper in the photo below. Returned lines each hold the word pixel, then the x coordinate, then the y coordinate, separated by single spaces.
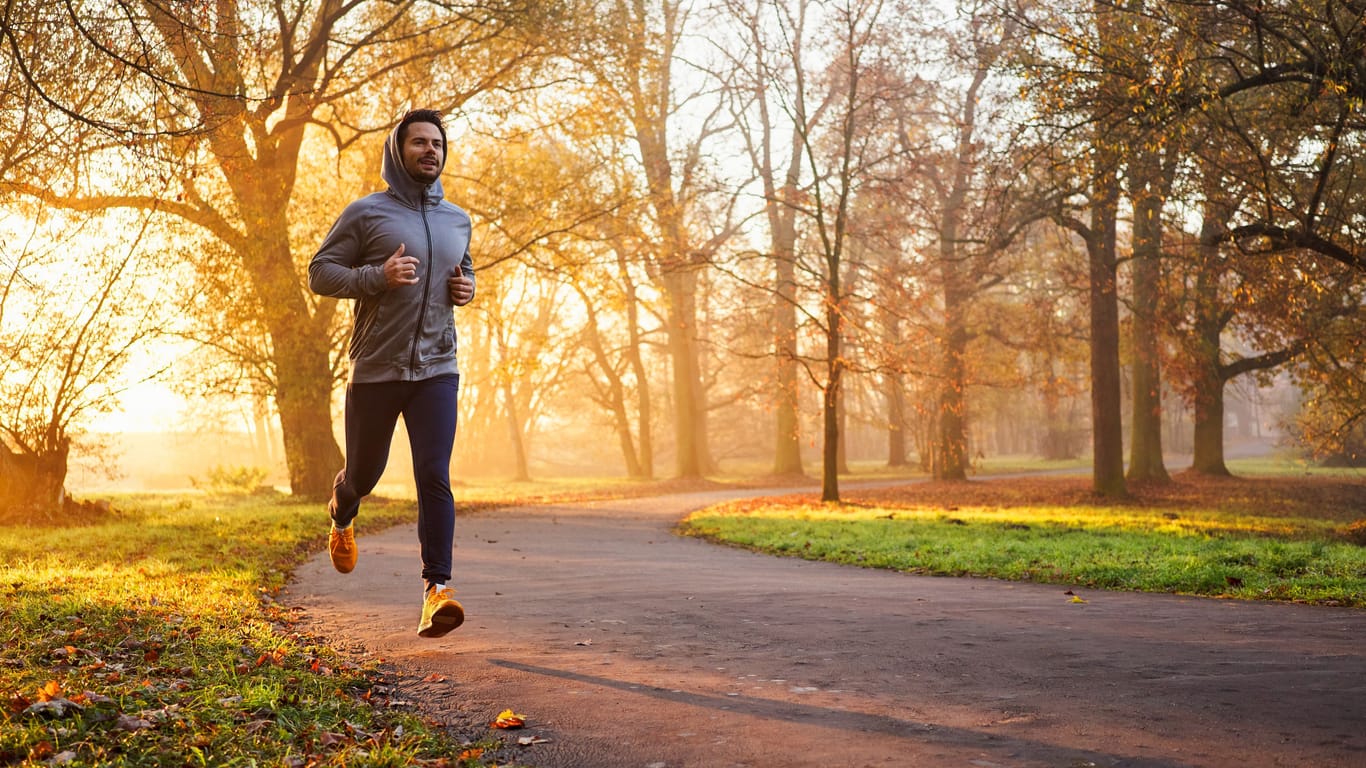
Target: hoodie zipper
pixel 426 289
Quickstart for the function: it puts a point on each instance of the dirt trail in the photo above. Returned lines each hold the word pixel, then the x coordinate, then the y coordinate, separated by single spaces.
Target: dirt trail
pixel 627 646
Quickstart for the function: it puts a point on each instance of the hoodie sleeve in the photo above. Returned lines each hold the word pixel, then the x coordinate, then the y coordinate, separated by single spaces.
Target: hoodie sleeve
pixel 467 267
pixel 338 269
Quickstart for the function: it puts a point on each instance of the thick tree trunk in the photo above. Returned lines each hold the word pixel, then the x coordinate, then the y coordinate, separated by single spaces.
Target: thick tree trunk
pixel 304 397
pixel 1145 449
pixel 1209 378
pixel 952 463
pixel 1208 447
pixel 1207 384
pixel 689 411
pixel 33 485
pixel 303 375
pixel 1107 438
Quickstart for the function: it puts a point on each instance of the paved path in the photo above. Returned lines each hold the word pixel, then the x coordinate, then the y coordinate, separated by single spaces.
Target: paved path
pixel 627 646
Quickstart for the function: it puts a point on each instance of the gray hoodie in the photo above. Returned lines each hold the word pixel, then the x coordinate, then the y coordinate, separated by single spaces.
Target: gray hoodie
pixel 405 333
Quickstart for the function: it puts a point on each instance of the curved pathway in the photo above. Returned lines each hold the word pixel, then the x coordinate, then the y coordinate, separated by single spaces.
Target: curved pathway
pixel 625 645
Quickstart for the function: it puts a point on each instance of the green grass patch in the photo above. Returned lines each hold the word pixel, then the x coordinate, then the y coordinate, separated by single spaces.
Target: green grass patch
pixel 1273 539
pixel 151 637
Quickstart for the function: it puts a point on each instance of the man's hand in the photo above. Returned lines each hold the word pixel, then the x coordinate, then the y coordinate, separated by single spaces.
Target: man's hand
pixel 461 287
pixel 400 270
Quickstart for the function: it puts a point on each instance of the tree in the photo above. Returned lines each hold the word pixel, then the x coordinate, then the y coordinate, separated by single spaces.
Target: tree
pixel 844 150
pixel 71 320
pixel 775 153
pixel 630 64
pixel 1238 314
pixel 962 179
pixel 221 101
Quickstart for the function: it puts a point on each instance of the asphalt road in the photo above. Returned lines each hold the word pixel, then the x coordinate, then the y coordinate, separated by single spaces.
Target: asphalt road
pixel 627 646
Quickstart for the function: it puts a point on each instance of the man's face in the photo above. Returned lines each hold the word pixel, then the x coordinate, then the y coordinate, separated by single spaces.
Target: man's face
pixel 423 152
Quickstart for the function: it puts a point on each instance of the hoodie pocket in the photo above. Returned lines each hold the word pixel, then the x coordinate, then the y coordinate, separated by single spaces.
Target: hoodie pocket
pixel 445 345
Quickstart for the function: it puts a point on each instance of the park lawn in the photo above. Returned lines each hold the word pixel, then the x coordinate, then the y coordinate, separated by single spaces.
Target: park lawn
pixel 1272 538
pixel 150 636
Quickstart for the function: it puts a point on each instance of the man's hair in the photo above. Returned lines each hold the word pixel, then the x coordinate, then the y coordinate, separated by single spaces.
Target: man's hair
pixel 422 116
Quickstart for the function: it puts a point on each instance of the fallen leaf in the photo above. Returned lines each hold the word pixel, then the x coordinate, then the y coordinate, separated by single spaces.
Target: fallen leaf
pixel 52 708
pixel 527 741
pixel 472 753
pixel 130 723
pixel 53 690
pixel 1076 599
pixel 584 642
pixel 434 678
pixel 509 719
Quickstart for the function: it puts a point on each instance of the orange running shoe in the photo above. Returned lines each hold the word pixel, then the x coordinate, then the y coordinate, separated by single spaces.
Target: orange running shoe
pixel 341 547
pixel 440 612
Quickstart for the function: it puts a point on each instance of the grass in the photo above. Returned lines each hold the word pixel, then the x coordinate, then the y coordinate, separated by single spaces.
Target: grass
pixel 1260 538
pixel 150 637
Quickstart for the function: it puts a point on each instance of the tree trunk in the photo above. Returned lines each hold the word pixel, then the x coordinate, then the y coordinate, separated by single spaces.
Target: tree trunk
pixel 1207 385
pixel 689 419
pixel 830 483
pixel 303 374
pixel 1107 437
pixel 1208 447
pixel 33 485
pixel 514 422
pixel 953 441
pixel 615 395
pixel 895 394
pixel 644 413
pixel 787 452
pixel 1145 449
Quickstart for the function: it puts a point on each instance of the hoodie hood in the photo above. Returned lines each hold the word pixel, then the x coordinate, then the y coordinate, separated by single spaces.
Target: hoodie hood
pixel 408 190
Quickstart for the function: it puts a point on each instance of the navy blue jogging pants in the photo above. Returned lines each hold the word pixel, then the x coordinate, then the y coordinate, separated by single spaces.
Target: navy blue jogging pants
pixel 428 408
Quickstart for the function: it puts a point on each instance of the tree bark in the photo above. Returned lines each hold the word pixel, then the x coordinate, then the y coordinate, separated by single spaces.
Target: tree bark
pixel 895 395
pixel 952 462
pixel 303 373
pixel 787 451
pixel 644 412
pixel 1107 437
pixel 32 485
pixel 830 482
pixel 680 286
pixel 1145 448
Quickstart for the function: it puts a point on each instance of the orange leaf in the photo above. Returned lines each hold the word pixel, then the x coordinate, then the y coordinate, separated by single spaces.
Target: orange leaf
pixel 53 690
pixel 509 719
pixel 434 678
pixel 472 753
